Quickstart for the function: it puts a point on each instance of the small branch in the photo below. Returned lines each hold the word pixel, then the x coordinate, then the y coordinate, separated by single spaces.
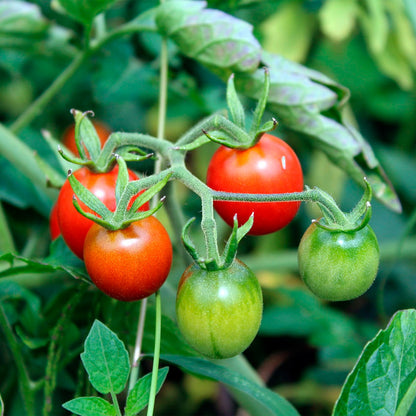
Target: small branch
pixel 24 381
pixel 138 344
pixel 156 355
pixel 43 100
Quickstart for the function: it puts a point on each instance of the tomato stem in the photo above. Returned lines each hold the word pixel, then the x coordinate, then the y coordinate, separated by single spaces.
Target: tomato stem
pixel 138 344
pixel 25 384
pixel 156 354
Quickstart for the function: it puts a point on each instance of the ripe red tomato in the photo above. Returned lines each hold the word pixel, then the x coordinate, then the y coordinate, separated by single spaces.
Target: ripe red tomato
pixel 68 138
pixel 129 264
pixel 53 223
pixel 270 166
pixel 73 225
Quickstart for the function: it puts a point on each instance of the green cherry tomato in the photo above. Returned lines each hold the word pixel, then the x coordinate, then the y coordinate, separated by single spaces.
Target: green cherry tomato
pixel 338 265
pixel 219 312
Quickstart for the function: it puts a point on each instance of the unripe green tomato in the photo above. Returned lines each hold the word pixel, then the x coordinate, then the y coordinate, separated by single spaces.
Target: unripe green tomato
pixel 219 312
pixel 338 265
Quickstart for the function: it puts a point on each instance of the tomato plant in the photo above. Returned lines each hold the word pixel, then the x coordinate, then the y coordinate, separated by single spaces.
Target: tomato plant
pixel 68 137
pixel 131 263
pixel 338 265
pixel 270 166
pixel 73 225
pixel 219 312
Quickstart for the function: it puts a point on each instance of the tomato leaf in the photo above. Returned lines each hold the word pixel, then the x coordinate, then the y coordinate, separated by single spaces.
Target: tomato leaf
pixel 60 259
pixel 257 399
pixel 138 397
pixel 300 96
pixel 383 382
pixel 21 19
pixel 212 37
pixel 83 11
pixel 105 359
pixel 90 406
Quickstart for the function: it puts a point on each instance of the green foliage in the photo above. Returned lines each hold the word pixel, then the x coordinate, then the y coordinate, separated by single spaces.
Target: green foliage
pixel 383 380
pixel 106 361
pixel 342 88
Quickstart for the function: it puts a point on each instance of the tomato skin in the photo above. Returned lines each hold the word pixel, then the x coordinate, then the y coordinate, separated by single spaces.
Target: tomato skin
pixel 129 264
pixel 338 265
pixel 68 137
pixel 270 166
pixel 54 230
pixel 73 225
pixel 219 312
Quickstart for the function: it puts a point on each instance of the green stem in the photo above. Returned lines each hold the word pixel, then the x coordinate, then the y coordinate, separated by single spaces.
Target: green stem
pixel 41 102
pixel 115 403
pixel 23 158
pixel 156 355
pixel 312 195
pixel 208 224
pixel 6 240
pixel 55 349
pixel 177 219
pixel 25 384
pixel 138 344
pixel 163 95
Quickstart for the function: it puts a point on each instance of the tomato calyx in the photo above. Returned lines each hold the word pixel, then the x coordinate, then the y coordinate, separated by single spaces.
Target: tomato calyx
pixel 125 190
pixel 230 250
pixel 88 144
pixel 353 221
pixel 238 137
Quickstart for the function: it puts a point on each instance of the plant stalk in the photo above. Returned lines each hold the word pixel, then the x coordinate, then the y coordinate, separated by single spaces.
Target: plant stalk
pixel 134 375
pixel 156 354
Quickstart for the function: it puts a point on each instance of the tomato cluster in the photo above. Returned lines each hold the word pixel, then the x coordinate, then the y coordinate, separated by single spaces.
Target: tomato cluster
pixel 126 264
pixel 219 308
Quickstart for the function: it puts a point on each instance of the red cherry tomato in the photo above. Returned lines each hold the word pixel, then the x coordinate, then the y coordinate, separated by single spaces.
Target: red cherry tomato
pixel 73 225
pixel 53 223
pixel 68 139
pixel 129 264
pixel 270 166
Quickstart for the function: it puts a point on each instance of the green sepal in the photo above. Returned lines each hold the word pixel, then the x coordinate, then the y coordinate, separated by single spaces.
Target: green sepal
pixel 69 157
pixel 266 127
pixel 229 140
pixel 86 135
pixel 149 193
pixel 133 154
pixel 122 178
pixel 361 208
pixel 235 108
pixel 203 263
pixel 88 198
pixel 140 215
pixel 189 244
pixel 200 141
pixel 261 105
pixel 237 233
pixel 98 220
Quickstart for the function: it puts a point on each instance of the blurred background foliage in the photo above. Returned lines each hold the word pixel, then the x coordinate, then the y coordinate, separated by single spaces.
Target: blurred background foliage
pixel 305 347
